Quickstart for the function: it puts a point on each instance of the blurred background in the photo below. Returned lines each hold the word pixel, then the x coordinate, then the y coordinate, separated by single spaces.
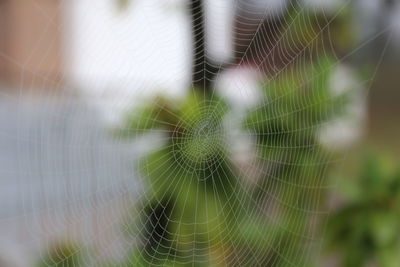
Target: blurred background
pixel 71 71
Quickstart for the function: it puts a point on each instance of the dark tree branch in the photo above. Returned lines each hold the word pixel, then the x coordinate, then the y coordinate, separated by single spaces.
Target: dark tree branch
pixel 203 71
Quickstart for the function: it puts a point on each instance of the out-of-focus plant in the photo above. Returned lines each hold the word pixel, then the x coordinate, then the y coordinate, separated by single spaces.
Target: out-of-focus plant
pixel 286 128
pixel 194 191
pixel 62 254
pixel 286 125
pixel 298 101
pixel 366 229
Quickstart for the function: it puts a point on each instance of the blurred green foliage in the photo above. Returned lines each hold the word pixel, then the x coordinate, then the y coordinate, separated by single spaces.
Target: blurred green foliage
pixel 190 169
pixel 366 229
pixel 286 126
pixel 62 254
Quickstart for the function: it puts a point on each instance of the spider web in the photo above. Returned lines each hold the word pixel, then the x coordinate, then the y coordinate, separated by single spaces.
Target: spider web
pixel 234 176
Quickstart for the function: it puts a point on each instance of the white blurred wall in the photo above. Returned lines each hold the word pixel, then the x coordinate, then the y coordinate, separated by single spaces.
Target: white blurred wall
pixel 116 55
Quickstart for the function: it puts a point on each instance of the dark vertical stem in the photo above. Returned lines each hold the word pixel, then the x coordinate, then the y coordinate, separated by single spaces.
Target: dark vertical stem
pixel 203 72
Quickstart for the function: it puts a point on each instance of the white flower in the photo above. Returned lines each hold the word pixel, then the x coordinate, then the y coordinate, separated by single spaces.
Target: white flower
pixel 347 129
